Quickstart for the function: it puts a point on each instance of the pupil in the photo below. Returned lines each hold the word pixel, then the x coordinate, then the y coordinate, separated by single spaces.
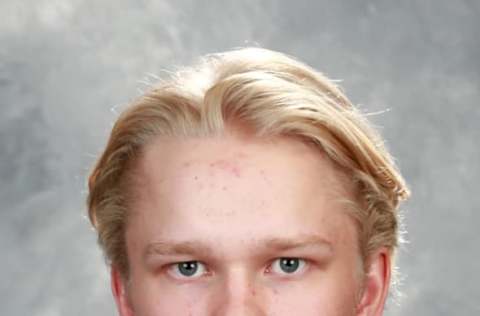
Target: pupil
pixel 289 265
pixel 188 268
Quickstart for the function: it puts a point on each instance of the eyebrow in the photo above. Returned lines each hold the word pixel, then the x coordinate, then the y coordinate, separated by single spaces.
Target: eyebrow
pixel 166 248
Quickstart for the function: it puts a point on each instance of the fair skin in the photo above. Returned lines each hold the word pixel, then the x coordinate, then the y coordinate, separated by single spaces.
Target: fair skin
pixel 240 226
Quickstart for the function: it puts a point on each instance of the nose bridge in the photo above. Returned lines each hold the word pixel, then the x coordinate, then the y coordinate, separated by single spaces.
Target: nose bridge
pixel 239 295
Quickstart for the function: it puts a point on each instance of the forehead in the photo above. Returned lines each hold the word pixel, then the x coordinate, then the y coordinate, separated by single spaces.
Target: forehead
pixel 283 160
pixel 237 188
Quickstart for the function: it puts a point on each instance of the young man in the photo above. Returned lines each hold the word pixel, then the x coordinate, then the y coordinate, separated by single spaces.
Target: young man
pixel 246 185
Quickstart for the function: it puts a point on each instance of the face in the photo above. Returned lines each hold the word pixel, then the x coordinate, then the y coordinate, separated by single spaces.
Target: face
pixel 235 226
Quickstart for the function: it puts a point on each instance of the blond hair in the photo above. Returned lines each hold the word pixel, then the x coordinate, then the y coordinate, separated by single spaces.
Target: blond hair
pixel 273 95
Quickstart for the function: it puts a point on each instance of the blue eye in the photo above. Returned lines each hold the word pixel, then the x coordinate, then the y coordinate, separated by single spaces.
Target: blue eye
pixel 288 265
pixel 187 269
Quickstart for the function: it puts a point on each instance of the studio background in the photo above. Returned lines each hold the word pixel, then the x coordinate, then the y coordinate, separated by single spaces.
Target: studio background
pixel 68 67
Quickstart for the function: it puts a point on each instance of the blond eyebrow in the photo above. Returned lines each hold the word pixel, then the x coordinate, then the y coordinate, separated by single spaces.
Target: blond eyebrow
pixel 166 248
pixel 283 244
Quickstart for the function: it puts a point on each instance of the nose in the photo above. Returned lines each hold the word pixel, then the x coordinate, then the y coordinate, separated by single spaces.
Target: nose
pixel 238 295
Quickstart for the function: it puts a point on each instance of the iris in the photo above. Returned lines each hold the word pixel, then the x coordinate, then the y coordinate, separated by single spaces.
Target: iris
pixel 188 268
pixel 289 265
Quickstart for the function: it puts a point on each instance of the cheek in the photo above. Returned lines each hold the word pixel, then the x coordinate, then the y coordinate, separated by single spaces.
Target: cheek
pixel 152 298
pixel 321 298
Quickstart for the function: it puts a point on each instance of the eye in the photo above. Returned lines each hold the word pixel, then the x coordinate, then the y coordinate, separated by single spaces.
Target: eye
pixel 287 266
pixel 187 269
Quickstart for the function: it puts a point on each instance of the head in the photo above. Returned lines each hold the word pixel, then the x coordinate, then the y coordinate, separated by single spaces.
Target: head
pixel 247 184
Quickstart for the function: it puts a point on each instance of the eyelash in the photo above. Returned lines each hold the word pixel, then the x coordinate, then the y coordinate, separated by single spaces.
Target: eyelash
pixel 174 266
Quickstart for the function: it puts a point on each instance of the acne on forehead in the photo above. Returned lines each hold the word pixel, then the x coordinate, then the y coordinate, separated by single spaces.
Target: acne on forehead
pixel 229 166
pixel 192 150
pixel 240 158
pixel 227 156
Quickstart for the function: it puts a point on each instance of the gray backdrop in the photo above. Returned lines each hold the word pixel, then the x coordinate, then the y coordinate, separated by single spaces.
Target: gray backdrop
pixel 65 64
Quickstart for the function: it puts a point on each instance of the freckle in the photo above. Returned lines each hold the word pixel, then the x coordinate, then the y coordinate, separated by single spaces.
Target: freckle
pixel 224 188
pixel 186 164
pixel 196 178
pixel 262 172
pixel 236 171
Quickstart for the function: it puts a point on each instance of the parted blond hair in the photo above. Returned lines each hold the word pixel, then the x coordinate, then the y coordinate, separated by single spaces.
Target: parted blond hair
pixel 273 95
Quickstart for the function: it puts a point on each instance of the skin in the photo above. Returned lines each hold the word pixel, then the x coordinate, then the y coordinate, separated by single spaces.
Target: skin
pixel 236 206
